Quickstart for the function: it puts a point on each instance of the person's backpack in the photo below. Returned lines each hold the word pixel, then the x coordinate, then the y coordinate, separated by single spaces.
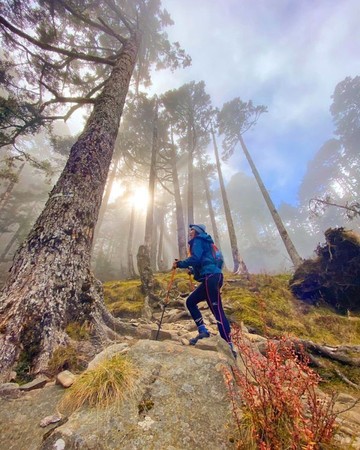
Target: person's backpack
pixel 218 256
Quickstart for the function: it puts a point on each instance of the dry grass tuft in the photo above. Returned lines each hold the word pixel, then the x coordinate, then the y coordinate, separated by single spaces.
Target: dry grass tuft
pixel 106 385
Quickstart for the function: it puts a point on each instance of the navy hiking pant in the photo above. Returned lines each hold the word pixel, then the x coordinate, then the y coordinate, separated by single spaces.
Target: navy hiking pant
pixel 209 290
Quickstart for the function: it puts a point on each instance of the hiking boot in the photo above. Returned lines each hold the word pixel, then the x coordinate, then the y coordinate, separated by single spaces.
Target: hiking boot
pixel 201 335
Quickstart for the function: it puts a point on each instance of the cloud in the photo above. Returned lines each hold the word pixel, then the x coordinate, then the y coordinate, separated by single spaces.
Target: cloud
pixel 287 55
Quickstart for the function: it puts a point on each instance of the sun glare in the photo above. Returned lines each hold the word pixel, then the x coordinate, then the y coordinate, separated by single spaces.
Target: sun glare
pixel 116 191
pixel 140 197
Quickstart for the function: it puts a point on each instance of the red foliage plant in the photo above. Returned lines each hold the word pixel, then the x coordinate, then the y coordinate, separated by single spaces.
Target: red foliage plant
pixel 275 400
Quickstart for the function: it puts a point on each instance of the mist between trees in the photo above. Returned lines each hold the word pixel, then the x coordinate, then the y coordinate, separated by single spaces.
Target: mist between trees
pixel 170 145
pixel 328 194
pixel 140 171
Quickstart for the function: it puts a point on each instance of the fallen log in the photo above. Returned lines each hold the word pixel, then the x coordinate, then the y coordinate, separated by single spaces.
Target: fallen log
pixel 332 353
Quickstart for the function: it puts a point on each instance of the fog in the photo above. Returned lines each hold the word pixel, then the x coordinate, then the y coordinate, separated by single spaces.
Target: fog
pixel 292 57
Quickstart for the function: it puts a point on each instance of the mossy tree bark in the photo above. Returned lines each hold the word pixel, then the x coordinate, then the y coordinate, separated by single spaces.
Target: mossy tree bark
pixel 50 282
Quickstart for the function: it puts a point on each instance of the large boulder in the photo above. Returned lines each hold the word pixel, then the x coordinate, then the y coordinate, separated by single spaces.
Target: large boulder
pixel 181 402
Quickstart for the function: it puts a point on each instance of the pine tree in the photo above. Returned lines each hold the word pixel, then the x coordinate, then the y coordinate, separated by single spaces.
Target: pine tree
pixel 83 53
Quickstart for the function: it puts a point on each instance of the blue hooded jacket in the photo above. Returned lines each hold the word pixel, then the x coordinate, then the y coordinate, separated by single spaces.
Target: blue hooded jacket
pixel 201 257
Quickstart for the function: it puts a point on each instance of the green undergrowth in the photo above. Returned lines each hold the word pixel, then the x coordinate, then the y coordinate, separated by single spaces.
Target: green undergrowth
pixel 265 304
pixel 125 298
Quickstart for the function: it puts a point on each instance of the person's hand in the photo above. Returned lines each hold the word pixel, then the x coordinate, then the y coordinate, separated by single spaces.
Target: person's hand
pixel 175 264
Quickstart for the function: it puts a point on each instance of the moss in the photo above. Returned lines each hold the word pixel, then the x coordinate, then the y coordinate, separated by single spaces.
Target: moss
pixel 267 305
pixel 22 369
pixel 124 298
pixel 30 338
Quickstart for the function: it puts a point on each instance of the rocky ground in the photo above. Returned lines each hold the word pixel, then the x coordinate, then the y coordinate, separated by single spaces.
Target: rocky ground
pixel 182 388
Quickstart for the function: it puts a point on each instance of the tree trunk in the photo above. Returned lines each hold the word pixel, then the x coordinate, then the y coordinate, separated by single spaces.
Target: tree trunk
pixel 294 255
pixel 239 264
pixel 215 234
pixel 149 225
pixel 154 244
pixel 144 268
pixel 130 258
pixel 50 282
pixel 160 256
pixel 5 196
pixel 190 187
pixel 181 234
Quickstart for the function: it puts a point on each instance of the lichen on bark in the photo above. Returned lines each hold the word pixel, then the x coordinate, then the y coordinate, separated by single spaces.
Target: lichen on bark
pixel 50 283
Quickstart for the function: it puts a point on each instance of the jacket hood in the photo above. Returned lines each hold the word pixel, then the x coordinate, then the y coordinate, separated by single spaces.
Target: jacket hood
pixel 204 237
pixel 199 228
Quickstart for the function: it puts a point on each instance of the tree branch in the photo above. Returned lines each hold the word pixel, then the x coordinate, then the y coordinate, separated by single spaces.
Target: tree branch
pixel 102 27
pixel 82 56
pixel 122 17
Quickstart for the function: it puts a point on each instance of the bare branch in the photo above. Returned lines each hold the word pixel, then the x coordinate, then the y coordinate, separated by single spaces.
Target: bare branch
pixel 353 208
pixel 82 56
pixel 102 27
pixel 122 16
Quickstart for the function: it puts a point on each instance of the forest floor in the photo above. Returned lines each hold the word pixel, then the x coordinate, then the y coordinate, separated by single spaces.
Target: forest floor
pixel 266 306
pixel 263 305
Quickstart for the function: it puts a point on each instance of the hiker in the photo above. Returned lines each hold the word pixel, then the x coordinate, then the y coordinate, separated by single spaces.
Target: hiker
pixel 205 263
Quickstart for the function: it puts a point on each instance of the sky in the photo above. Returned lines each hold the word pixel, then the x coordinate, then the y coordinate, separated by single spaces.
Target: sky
pixel 285 54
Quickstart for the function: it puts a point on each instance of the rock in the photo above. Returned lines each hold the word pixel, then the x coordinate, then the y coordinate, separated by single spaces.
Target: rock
pixel 20 417
pixel 162 336
pixel 50 419
pixel 185 389
pixel 13 375
pixel 255 338
pixel 175 315
pixel 38 383
pixel 65 378
pixel 345 399
pixel 10 390
pixel 212 319
pixel 108 353
pixel 207 344
pixel 191 326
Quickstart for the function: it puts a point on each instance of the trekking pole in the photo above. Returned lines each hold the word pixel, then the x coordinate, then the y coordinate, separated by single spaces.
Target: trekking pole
pixel 166 301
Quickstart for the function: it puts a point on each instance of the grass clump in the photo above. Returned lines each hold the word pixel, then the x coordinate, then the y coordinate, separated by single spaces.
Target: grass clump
pixel 104 386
